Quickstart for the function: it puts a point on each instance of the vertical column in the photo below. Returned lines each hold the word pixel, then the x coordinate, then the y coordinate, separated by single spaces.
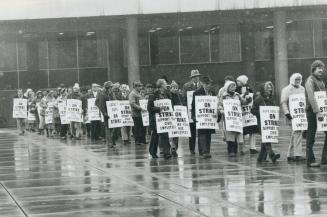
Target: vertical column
pixel 280 51
pixel 132 49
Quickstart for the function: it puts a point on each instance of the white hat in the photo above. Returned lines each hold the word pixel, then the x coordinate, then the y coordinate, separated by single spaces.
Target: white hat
pixel 76 85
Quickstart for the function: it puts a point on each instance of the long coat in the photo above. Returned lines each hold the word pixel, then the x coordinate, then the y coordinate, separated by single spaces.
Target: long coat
pixel 201 92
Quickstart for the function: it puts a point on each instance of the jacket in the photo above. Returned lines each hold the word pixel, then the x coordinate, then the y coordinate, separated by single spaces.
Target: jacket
pixel 312 85
pixel 134 100
pixel 101 99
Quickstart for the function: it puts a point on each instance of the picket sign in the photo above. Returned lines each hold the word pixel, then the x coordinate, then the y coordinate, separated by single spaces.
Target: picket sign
pixel 269 119
pixel 297 106
pixel 322 104
pixel 20 108
pixel 233 115
pixel 145 114
pixel 164 119
pixel 93 112
pixel 114 113
pixel 181 121
pixel 206 112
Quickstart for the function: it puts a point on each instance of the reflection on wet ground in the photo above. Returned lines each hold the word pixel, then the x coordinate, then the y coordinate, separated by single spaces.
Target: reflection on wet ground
pixel 48 177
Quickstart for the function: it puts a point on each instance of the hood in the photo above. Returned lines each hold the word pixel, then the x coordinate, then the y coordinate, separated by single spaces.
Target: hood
pixel 264 86
pixel 295 76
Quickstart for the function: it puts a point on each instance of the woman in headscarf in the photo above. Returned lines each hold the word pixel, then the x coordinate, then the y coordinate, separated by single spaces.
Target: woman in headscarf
pixel 246 92
pixel 233 139
pixel 295 147
pixel 266 98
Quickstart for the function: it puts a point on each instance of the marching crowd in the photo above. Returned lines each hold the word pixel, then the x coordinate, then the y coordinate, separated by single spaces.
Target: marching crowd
pixel 39 105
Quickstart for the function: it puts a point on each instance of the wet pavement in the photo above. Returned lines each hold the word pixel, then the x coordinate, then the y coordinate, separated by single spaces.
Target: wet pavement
pixel 49 177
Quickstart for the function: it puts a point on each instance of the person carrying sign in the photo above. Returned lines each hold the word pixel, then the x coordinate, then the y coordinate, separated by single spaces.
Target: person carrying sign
pixel 192 85
pixel 204 135
pixel 244 90
pixel 233 139
pixel 158 138
pixel 134 99
pixel 95 124
pixel 20 121
pixel 266 98
pixel 294 152
pixel 314 83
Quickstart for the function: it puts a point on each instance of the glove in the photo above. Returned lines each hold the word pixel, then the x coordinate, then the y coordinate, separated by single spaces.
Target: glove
pixel 249 99
pixel 288 116
pixel 320 117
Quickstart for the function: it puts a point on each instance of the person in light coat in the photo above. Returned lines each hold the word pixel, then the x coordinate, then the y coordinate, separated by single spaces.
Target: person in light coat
pixel 294 152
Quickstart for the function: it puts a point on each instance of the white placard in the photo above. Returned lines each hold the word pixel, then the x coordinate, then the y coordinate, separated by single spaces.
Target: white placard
pixel 206 112
pixel 248 118
pixel 145 114
pixel 49 113
pixel 74 110
pixel 126 113
pixel 31 116
pixel 297 111
pixel 322 104
pixel 114 113
pixel 62 108
pixel 269 119
pixel 164 119
pixel 181 123
pixel 233 115
pixel 189 95
pixel 93 112
pixel 20 108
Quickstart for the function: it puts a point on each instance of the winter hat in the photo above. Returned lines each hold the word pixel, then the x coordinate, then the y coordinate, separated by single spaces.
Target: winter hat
pixel 316 64
pixel 76 85
pixel 295 76
pixel 174 84
pixel 243 79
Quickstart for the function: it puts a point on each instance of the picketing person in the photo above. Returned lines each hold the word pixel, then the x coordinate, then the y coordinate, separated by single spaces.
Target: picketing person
pixel 61 112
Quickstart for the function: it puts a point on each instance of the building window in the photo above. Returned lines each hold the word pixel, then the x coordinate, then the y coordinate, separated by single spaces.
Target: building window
pixel 320 37
pixel 143 50
pixel 62 51
pixel 300 39
pixel 264 44
pixel 8 58
pixel 164 46
pixel 92 50
pixel 194 45
pixel 225 43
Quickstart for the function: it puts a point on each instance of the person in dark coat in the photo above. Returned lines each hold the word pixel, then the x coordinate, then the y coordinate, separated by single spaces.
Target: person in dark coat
pixel 161 139
pixel 204 135
pixel 266 98
pixel 244 90
pixel 193 85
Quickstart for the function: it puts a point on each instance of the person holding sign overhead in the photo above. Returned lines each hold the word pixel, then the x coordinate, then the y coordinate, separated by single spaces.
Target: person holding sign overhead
pixel 193 85
pixel 233 131
pixel 294 89
pixel 204 135
pixel 266 98
pixel 314 83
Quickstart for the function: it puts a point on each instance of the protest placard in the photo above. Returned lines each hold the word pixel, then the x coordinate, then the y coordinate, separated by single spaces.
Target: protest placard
pixel 297 111
pixel 126 113
pixel 20 108
pixel 145 114
pixel 164 119
pixel 48 117
pixel 114 113
pixel 322 104
pixel 74 110
pixel 233 115
pixel 248 118
pixel 62 107
pixel 181 123
pixel 93 112
pixel 31 116
pixel 206 112
pixel 189 95
pixel 269 119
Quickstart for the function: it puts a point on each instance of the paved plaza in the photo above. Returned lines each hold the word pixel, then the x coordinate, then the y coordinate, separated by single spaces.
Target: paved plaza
pixel 53 178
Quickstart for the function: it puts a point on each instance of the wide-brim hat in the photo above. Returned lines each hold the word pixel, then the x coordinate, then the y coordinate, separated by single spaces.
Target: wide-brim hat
pixel 195 73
